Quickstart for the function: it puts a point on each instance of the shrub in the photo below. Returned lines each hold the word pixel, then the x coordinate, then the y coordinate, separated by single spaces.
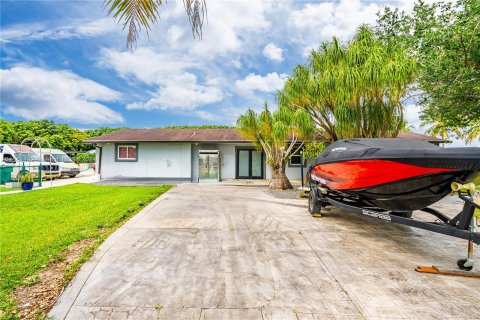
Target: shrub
pixel 85 158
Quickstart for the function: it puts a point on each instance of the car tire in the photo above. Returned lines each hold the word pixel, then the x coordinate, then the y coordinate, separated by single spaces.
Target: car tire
pixel 314 205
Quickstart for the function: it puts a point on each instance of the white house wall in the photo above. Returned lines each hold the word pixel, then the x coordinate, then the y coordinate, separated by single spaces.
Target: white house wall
pixel 155 160
pixel 171 160
pixel 227 159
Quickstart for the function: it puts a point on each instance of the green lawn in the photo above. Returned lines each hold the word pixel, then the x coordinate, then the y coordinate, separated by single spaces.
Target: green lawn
pixel 5 189
pixel 36 226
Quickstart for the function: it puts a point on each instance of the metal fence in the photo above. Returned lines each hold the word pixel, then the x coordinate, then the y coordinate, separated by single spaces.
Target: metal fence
pixel 11 176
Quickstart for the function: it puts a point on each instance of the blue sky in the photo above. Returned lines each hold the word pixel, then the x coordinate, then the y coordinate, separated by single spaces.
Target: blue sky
pixel 66 60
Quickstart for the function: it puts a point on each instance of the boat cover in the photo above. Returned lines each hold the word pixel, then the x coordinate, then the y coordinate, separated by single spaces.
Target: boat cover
pixel 414 152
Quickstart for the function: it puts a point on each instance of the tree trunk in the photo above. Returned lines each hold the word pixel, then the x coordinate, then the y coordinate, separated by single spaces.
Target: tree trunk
pixel 279 179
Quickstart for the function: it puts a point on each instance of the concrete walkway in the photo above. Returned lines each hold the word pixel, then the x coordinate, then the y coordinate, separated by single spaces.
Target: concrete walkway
pixel 87 176
pixel 236 252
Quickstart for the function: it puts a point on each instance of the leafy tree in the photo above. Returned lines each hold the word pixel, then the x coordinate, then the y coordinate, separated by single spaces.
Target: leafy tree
pixel 312 149
pixel 445 39
pixel 60 136
pixel 278 134
pixel 352 89
pixel 138 14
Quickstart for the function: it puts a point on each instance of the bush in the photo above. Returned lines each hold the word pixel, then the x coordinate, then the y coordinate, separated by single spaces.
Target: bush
pixel 86 158
pixel 27 178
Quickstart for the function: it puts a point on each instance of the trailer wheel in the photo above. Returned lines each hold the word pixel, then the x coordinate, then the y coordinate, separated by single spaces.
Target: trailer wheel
pixel 461 265
pixel 313 203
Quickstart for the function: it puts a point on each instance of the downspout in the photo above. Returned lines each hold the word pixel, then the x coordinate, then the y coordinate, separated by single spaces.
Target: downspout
pixel 99 160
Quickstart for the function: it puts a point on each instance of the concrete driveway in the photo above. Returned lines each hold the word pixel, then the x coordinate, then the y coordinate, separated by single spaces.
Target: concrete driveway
pixel 236 252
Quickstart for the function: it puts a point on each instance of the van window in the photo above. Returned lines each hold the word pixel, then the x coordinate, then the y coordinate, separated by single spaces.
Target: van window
pixel 27 157
pixel 8 158
pixel 48 158
pixel 62 158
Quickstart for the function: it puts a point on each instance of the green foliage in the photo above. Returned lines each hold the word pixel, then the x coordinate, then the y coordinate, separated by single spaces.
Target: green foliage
pixel 313 148
pixel 85 158
pixel 352 89
pixel 60 136
pixel 445 39
pixel 27 177
pixel 35 227
pixel 279 134
pixel 135 15
pixel 207 126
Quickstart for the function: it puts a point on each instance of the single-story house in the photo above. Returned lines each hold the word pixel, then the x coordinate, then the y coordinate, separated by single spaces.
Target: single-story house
pixel 189 155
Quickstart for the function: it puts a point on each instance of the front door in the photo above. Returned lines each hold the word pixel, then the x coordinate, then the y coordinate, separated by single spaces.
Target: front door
pixel 249 164
pixel 208 166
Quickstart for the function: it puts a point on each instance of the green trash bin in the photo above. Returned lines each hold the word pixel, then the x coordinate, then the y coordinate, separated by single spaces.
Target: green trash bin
pixel 5 174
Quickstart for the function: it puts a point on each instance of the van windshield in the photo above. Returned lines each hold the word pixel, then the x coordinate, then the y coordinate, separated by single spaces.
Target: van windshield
pixel 62 158
pixel 30 157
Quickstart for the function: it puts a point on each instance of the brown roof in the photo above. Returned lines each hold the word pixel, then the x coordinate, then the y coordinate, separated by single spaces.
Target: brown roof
pixel 200 135
pixel 171 135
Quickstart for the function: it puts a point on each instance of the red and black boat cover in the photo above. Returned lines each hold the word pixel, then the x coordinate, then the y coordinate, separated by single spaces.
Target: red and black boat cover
pixel 413 152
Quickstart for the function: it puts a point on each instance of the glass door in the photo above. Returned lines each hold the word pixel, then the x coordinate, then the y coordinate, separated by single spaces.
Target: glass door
pixel 249 164
pixel 208 166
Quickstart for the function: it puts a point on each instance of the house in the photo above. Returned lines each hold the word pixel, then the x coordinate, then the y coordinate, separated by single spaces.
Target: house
pixel 188 155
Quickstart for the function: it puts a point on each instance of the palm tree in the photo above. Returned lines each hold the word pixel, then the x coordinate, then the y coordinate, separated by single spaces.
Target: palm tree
pixel 353 89
pixel 136 14
pixel 279 135
pixel 473 132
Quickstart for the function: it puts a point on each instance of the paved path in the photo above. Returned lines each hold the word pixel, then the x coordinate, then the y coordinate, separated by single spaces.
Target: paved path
pixel 87 176
pixel 237 252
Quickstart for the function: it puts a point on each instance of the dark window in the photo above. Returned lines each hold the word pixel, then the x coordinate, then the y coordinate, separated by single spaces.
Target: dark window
pixel 8 158
pixel 295 159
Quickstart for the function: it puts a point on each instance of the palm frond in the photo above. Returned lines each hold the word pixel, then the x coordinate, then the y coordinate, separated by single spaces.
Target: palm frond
pixel 138 14
pixel 134 14
pixel 197 14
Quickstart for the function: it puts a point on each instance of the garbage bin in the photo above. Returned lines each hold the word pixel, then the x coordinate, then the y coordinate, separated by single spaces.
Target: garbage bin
pixel 5 174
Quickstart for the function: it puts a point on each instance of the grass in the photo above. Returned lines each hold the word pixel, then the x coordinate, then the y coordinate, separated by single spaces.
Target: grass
pixel 35 227
pixel 5 189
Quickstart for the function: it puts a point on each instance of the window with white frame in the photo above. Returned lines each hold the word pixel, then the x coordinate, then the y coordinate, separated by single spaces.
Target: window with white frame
pixel 127 152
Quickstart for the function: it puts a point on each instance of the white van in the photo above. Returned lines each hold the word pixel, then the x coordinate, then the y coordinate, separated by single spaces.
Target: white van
pixel 18 155
pixel 67 166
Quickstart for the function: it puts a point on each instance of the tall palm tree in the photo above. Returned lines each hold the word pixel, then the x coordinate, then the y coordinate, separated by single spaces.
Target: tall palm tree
pixel 138 14
pixel 352 89
pixel 279 135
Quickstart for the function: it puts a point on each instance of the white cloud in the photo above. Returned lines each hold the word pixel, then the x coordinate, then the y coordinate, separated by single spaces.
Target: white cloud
pixel 182 93
pixel 79 29
pixel 178 88
pixel 35 93
pixel 145 64
pixel 412 116
pixel 269 83
pixel 317 22
pixel 272 52
pixel 229 24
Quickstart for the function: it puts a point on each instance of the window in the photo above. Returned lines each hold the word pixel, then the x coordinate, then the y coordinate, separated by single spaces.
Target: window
pixel 8 158
pixel 126 152
pixel 295 160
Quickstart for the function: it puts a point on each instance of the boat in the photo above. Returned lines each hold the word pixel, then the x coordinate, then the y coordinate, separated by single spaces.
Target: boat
pixel 390 178
pixel 394 174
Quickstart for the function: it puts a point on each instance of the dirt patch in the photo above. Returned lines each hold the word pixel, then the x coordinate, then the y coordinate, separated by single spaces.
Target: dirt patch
pixel 35 300
pixel 285 194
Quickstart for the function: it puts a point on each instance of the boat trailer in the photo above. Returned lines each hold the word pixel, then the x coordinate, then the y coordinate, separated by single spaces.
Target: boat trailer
pixel 460 226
